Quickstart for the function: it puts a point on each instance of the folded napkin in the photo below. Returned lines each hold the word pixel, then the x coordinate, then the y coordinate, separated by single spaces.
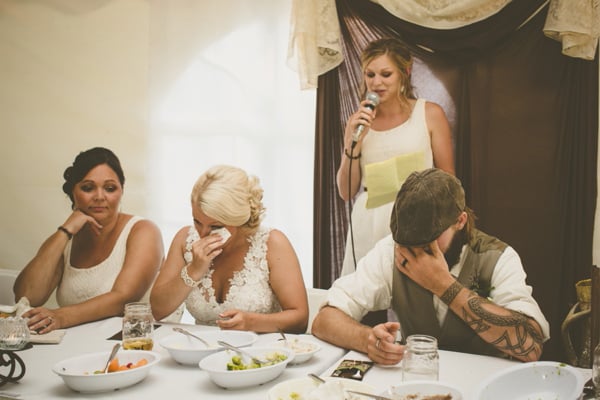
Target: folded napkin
pixel 53 337
pixel 21 307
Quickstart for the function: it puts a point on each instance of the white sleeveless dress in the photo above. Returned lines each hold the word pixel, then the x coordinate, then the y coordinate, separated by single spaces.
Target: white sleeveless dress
pixel 372 224
pixel 249 287
pixel 80 284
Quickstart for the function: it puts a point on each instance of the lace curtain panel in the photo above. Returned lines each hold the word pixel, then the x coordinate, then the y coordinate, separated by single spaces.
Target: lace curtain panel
pixel 314 44
pixel 576 24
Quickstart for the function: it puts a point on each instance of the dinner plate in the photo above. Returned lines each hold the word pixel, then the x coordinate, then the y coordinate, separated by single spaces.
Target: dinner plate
pixel 418 390
pixel 300 388
pixel 539 380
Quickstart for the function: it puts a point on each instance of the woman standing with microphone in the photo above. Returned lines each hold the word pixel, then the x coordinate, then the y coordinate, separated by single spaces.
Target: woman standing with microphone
pixel 385 140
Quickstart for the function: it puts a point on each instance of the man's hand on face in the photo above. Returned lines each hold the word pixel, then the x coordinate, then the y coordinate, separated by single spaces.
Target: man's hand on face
pixel 425 265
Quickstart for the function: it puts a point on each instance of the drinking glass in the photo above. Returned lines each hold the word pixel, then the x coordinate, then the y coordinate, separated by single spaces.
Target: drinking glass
pixel 14 333
pixel 421 358
pixel 138 327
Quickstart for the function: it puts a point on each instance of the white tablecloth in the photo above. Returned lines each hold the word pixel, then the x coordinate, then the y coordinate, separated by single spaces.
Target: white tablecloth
pixel 167 380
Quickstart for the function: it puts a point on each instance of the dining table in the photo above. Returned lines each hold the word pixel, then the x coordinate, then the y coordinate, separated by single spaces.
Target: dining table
pixel 168 379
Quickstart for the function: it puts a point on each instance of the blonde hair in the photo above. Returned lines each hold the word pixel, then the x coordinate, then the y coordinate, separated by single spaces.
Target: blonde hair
pixel 400 56
pixel 229 195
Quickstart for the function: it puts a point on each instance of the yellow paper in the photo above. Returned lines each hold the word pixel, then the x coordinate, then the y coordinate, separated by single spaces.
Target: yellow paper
pixel 384 179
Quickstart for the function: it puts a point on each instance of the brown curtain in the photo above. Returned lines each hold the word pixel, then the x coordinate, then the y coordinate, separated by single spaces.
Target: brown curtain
pixel 525 125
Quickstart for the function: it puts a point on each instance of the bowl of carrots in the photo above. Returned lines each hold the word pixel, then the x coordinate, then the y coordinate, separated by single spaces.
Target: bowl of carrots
pixel 85 373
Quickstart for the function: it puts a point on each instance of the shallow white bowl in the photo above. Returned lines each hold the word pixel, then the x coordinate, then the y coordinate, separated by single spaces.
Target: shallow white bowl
pixel 540 380
pixel 78 372
pixel 416 390
pixel 304 349
pixel 300 388
pixel 216 367
pixel 189 351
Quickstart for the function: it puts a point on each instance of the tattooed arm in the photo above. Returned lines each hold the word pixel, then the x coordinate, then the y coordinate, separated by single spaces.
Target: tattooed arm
pixel 511 332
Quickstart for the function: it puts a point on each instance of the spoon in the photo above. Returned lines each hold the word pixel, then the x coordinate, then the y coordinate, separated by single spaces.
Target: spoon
pixel 181 330
pixel 112 355
pixel 373 396
pixel 282 334
pixel 240 351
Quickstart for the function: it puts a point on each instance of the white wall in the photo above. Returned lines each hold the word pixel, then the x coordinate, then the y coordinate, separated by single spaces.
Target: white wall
pixel 78 74
pixel 73 75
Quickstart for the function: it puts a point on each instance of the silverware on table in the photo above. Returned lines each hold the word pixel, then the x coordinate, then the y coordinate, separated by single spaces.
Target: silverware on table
pixel 316 377
pixel 372 396
pixel 181 330
pixel 254 359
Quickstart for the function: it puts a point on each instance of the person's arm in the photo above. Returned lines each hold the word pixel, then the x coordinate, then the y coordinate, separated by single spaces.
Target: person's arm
pixel 441 137
pixel 169 290
pixel 514 333
pixel 144 254
pixel 285 278
pixel 42 274
pixel 336 327
pixel 347 190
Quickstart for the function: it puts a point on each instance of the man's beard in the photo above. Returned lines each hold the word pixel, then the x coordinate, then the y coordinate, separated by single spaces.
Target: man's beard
pixel 452 255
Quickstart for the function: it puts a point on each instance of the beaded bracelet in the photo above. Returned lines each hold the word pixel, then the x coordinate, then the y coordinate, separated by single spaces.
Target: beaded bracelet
pixel 350 156
pixel 187 279
pixel 66 231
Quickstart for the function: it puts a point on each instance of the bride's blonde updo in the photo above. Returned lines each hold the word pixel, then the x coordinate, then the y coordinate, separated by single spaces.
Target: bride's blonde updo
pixel 229 195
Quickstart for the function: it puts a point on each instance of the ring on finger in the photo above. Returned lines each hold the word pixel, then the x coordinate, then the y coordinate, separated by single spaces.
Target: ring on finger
pixel 377 343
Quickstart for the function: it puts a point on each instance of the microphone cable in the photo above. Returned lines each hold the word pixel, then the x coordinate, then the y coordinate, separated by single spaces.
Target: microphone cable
pixel 350 202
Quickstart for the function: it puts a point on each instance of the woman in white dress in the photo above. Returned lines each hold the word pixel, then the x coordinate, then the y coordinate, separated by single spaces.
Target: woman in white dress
pixel 402 133
pixel 228 269
pixel 99 259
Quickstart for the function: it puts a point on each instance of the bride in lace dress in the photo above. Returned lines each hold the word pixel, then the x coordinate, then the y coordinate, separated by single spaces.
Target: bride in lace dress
pixel 229 269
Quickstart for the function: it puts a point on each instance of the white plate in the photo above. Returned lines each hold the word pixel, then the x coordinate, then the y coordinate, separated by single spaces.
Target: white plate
pixel 300 388
pixel 78 372
pixel 189 351
pixel 416 390
pixel 540 380
pixel 304 348
pixel 216 366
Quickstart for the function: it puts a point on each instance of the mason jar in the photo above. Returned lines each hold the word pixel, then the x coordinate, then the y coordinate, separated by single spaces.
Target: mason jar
pixel 421 358
pixel 138 327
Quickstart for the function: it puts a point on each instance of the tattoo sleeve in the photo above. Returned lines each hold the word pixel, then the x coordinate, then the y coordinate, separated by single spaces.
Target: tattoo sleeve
pixel 518 336
pixel 450 294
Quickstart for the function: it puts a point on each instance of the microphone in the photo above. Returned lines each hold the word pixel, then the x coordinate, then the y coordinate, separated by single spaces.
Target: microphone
pixel 373 101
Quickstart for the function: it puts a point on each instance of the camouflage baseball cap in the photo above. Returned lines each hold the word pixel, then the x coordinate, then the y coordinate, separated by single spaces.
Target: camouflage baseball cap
pixel 428 202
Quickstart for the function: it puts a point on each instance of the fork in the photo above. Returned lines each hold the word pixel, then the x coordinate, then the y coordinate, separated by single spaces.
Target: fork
pixel 254 359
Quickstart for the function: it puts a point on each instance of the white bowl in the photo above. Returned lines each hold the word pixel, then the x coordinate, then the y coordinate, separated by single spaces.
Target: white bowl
pixel 301 388
pixel 189 351
pixel 78 372
pixel 216 367
pixel 540 380
pixel 303 348
pixel 417 390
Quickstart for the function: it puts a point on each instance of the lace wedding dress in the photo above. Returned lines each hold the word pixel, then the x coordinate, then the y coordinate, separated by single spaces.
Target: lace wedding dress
pixel 249 288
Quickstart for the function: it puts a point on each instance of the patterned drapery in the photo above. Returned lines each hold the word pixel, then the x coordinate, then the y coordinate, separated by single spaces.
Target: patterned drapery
pixel 315 47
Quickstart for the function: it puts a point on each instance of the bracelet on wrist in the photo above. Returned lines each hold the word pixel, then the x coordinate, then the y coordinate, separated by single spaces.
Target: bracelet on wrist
pixel 350 156
pixel 188 279
pixel 66 231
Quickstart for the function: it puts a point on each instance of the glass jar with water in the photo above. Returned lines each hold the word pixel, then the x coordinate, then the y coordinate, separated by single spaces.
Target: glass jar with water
pixel 138 327
pixel 421 358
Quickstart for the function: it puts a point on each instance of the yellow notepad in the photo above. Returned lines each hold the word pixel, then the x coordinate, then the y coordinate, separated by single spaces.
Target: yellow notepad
pixel 384 179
